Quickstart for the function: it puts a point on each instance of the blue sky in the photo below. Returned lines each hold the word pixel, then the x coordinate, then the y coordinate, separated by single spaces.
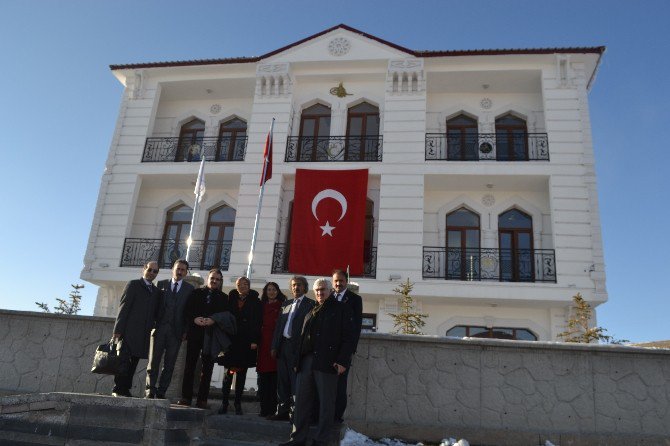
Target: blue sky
pixel 59 104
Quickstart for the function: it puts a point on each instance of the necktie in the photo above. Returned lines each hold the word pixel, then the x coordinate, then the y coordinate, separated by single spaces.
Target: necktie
pixel 150 287
pixel 296 305
pixel 175 288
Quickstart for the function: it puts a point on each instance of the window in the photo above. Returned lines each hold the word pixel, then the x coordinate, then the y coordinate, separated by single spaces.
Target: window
pixel 232 140
pixel 462 138
pixel 190 140
pixel 314 133
pixel 515 234
pixel 463 245
pixel 177 227
pixel 368 236
pixel 511 138
pixel 218 238
pixel 362 133
pixel 519 334
pixel 369 323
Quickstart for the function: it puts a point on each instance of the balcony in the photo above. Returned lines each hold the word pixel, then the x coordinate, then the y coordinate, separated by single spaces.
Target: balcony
pixel 204 254
pixel 333 148
pixel 281 254
pixel 176 149
pixel 487 147
pixel 478 264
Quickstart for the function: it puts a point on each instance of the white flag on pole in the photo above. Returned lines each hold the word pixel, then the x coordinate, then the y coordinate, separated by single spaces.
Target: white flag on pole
pixel 200 182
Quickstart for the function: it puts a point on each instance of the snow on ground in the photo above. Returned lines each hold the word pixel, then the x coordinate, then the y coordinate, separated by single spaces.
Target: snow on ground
pixel 353 438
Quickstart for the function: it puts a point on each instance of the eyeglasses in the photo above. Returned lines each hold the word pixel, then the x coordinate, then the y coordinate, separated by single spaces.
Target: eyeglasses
pixel 151 270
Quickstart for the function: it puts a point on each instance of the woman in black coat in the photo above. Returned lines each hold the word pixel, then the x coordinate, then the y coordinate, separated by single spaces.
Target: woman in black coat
pixel 246 307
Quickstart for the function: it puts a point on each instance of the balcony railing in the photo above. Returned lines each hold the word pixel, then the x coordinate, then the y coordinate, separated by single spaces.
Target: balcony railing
pixel 281 254
pixel 503 265
pixel 487 146
pixel 181 149
pixel 333 148
pixel 204 254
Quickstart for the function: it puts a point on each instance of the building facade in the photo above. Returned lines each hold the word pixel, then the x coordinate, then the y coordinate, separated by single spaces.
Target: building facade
pixel 481 179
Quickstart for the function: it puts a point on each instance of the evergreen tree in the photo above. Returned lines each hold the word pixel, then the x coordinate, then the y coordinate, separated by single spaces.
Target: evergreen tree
pixel 579 327
pixel 407 321
pixel 69 306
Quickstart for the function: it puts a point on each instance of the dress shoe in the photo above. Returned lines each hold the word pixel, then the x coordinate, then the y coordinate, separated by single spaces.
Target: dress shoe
pixel 292 443
pixel 183 402
pixel 121 394
pixel 201 405
pixel 223 409
pixel 150 396
pixel 284 416
pixel 160 396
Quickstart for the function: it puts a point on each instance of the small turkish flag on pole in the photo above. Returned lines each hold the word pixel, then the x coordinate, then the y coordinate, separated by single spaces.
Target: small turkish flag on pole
pixel 328 222
pixel 267 156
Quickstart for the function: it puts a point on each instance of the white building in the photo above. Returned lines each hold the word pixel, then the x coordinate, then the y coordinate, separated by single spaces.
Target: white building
pixel 481 188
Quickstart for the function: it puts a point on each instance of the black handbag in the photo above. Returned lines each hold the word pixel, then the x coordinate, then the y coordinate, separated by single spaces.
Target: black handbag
pixel 111 358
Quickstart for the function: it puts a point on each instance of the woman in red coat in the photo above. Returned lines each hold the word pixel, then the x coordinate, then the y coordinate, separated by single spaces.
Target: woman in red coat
pixel 271 299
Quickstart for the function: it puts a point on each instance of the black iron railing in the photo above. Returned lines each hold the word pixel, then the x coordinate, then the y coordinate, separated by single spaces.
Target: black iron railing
pixel 186 149
pixel 504 265
pixel 487 146
pixel 281 254
pixel 204 254
pixel 333 148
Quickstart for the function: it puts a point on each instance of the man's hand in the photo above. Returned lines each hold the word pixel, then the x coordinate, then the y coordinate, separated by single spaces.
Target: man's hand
pixel 116 336
pixel 254 346
pixel 340 368
pixel 273 353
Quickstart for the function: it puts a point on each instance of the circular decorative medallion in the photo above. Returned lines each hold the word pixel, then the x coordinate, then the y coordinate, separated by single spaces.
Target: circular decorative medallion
pixel 488 200
pixel 486 103
pixel 339 46
pixel 485 147
pixel 215 109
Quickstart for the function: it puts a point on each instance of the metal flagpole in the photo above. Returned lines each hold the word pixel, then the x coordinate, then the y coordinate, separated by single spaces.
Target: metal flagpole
pixel 268 145
pixel 199 192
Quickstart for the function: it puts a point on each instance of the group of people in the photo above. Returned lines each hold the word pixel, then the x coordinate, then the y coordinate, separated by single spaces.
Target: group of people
pixel 301 348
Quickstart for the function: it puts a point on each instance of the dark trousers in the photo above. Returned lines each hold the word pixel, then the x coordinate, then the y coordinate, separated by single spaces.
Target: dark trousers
pixel 267 392
pixel 285 376
pixel 193 349
pixel 310 384
pixel 123 381
pixel 162 341
pixel 341 400
pixel 240 378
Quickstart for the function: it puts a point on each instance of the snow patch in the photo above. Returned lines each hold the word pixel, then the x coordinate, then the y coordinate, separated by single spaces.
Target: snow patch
pixel 353 438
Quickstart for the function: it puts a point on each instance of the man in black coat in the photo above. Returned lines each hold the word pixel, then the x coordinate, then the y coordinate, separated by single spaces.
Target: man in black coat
pixel 246 307
pixel 285 344
pixel 355 303
pixel 201 304
pixel 326 346
pixel 136 318
pixel 170 330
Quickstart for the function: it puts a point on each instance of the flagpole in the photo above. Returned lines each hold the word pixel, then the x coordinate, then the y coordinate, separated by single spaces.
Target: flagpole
pixel 260 199
pixel 198 197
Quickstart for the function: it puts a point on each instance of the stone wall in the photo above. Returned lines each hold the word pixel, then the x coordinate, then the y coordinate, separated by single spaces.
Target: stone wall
pixel 414 387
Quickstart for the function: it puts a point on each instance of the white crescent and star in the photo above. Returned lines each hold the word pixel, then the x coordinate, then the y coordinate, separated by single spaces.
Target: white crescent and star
pixel 335 195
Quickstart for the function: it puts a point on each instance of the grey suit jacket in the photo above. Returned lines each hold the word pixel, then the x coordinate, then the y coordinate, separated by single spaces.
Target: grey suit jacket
pixel 296 326
pixel 182 297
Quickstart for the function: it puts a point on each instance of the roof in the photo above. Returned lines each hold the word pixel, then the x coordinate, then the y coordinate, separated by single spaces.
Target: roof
pixel 416 53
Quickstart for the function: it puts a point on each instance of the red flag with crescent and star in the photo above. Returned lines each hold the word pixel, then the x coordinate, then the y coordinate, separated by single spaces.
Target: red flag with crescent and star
pixel 328 223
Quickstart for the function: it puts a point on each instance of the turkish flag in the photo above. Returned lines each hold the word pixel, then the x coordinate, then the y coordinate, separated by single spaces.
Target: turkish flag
pixel 328 222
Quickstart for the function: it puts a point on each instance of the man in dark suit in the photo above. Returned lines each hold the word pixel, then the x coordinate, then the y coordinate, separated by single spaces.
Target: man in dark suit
pixel 285 344
pixel 355 303
pixel 326 346
pixel 170 330
pixel 136 318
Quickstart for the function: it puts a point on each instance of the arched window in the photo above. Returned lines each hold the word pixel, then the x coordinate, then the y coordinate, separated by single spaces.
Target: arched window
pixel 515 234
pixel 511 138
pixel 463 253
pixel 232 140
pixel 219 238
pixel 462 138
pixel 472 331
pixel 190 140
pixel 177 227
pixel 314 133
pixel 362 133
